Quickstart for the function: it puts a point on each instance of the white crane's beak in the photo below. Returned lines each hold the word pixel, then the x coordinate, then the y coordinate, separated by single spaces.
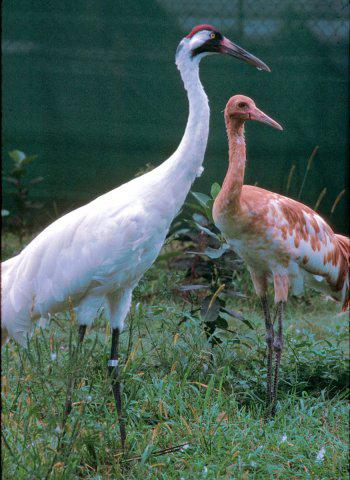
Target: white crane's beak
pixel 229 48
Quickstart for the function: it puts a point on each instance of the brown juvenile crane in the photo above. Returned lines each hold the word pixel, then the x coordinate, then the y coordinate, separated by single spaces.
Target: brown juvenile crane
pixel 280 239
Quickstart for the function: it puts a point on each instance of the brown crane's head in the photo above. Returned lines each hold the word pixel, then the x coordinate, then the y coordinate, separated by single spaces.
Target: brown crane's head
pixel 205 40
pixel 242 108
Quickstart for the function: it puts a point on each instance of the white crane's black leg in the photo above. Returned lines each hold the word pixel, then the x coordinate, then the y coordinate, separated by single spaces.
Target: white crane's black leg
pixel 269 342
pixel 278 347
pixel 113 369
pixel 81 335
pixel 71 383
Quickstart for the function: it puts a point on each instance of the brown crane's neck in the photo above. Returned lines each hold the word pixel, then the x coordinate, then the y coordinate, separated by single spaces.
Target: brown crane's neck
pixel 233 183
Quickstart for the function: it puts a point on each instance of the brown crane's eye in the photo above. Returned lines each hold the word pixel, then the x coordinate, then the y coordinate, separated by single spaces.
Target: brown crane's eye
pixel 212 35
pixel 242 105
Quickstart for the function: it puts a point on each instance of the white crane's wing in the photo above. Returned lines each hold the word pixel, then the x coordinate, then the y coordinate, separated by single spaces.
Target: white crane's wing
pixel 103 243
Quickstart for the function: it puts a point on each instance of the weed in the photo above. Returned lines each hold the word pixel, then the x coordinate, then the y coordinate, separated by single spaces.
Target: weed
pixel 190 408
pixel 20 215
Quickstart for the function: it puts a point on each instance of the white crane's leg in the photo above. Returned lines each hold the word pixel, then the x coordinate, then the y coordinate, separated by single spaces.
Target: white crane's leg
pixel 81 333
pixel 85 312
pixel 119 305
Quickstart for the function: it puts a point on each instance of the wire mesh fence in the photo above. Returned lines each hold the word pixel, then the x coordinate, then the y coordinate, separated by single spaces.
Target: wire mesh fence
pixel 263 20
pixel 91 87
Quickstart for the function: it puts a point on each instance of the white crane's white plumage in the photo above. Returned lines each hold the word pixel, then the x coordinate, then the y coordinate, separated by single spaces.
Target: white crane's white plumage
pixel 96 254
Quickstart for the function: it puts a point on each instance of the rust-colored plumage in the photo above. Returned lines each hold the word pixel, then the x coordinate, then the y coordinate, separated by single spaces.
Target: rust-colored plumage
pixel 279 238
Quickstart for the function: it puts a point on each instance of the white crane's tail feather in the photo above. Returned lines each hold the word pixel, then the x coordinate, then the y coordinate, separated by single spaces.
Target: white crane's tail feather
pixel 14 318
pixel 344 248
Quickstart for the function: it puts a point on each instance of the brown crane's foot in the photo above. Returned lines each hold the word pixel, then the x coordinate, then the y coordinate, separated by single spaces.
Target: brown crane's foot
pixel 113 370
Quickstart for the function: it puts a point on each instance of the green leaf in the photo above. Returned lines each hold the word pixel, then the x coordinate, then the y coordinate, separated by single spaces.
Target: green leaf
pixel 239 316
pixel 205 202
pixel 146 453
pixel 210 314
pixel 216 252
pixel 20 158
pixel 215 190
pixel 186 288
pixel 28 159
pixel 176 233
pixel 207 231
pixel 194 206
pixel 221 323
pixel 202 198
pixel 17 156
pixel 12 180
pixel 168 255
pixel 36 180
pixel 210 328
pixel 199 217
pixel 212 253
pixel 248 323
pixel 304 343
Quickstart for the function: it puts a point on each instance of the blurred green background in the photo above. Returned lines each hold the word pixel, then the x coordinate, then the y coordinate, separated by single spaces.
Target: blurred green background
pixel 91 87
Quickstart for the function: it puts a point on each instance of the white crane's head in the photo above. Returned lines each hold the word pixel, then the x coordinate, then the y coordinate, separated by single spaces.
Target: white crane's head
pixel 241 108
pixel 205 40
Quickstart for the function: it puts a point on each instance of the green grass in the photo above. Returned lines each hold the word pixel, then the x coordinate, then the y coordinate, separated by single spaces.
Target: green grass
pixel 178 390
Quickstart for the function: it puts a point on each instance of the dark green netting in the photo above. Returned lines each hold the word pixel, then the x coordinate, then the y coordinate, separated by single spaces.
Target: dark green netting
pixel 91 87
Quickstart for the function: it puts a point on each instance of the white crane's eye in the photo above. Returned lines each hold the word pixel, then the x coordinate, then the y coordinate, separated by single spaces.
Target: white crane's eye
pixel 242 105
pixel 212 35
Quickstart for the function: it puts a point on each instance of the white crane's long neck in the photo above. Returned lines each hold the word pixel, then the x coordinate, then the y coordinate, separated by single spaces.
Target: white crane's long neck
pixel 191 150
pixel 185 164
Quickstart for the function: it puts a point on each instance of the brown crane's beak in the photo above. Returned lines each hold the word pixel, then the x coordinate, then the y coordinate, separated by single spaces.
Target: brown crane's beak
pixel 229 48
pixel 260 116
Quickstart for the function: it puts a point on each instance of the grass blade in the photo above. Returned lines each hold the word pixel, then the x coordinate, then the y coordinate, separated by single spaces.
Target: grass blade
pixel 320 198
pixel 308 168
pixel 337 200
pixel 290 176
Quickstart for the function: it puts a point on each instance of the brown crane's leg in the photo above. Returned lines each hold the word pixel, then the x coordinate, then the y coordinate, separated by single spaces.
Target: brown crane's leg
pixel 260 285
pixel 113 369
pixel 270 343
pixel 281 286
pixel 278 347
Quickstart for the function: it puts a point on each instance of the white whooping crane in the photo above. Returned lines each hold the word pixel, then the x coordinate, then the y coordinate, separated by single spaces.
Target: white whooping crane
pixel 97 254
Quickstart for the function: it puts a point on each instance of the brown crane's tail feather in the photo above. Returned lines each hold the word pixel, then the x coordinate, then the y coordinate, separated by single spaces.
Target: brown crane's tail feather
pixel 344 246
